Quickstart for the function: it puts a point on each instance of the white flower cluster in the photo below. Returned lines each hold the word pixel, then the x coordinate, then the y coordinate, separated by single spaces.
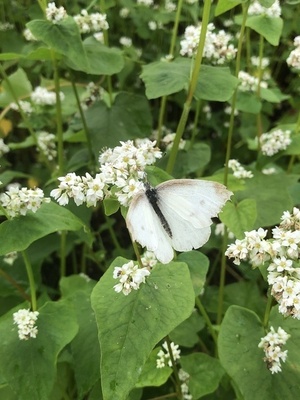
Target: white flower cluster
pixel 10 258
pixel 238 170
pixel 184 377
pixel 249 82
pixel 18 201
pixel 272 345
pixel 170 6
pixel 55 14
pixel 265 62
pixel 83 189
pixel 3 148
pixel 28 35
pixel 168 140
pixel 257 9
pixel 24 105
pixel 6 26
pixel 25 320
pixel 216 48
pixel 148 259
pixel 191 1
pixel 273 142
pixel 94 22
pixel 124 12
pixel 293 59
pixel 164 355
pixel 147 3
pixel 282 252
pixel 46 144
pixel 130 277
pixel 43 97
pixel 122 168
pixel 125 41
pixel 220 230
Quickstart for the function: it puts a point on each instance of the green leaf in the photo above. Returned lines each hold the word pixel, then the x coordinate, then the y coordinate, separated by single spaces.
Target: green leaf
pixel 273 95
pixel 84 347
pixel 240 334
pixel 215 84
pixel 151 375
pixel 205 373
pixel 293 148
pixel 269 28
pixel 111 206
pixel 189 161
pixel 239 217
pixel 128 117
pixel 185 334
pixel 102 60
pixel 198 265
pixel 64 38
pixel 9 56
pixel 132 325
pixel 248 102
pixel 226 5
pixel 164 78
pixel 20 85
pixel 18 233
pixel 25 364
pixel 271 195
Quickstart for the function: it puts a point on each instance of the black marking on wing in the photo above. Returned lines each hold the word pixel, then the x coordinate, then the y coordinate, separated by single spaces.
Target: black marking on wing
pixel 153 199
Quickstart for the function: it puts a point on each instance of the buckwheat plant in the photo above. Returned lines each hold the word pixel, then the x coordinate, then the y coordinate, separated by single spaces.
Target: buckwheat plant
pixel 238 170
pixel 25 321
pixel 273 142
pixel 163 356
pixel 281 255
pixel 293 59
pixel 217 48
pixel 20 200
pixel 272 345
pixel 55 14
pixel 130 277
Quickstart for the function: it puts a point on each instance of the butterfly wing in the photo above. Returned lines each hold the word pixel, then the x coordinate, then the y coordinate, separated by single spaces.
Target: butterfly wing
pixel 188 206
pixel 146 228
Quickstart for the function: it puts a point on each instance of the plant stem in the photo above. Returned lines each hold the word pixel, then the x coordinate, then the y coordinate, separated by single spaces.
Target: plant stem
pixel 192 87
pixel 63 238
pixel 207 320
pixel 178 383
pixel 59 128
pixel 84 124
pixel 6 276
pixel 268 310
pixel 163 102
pixel 31 280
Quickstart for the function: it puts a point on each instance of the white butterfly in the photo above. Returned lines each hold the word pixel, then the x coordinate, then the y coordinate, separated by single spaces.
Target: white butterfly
pixel 175 215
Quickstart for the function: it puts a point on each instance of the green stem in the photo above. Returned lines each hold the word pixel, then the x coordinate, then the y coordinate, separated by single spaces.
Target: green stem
pixel 84 124
pixel 192 87
pixel 294 156
pixel 63 239
pixel 233 102
pixel 267 311
pixel 163 103
pixel 31 280
pixel 175 370
pixel 207 320
pixel 59 127
pixel 260 73
pixel 222 278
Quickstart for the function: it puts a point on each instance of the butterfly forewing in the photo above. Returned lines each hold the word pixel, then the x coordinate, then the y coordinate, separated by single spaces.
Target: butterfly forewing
pixel 145 228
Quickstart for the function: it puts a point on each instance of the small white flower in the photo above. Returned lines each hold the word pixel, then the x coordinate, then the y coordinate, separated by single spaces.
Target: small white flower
pixel 55 14
pixel 130 277
pixel 163 356
pixel 272 345
pixel 25 321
